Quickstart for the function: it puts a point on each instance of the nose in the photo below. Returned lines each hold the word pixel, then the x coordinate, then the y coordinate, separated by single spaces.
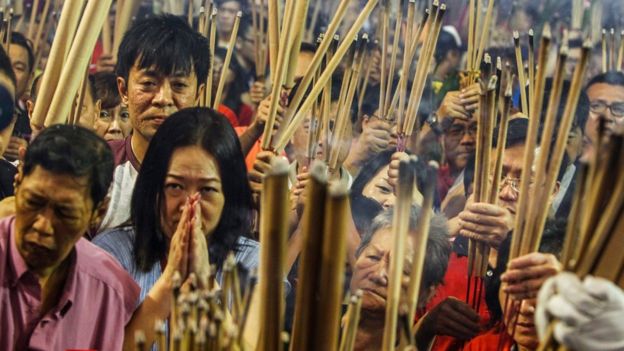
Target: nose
pixel 527 309
pixel 164 95
pixel 43 222
pixel 380 274
pixel 114 127
pixel 507 193
pixel 467 139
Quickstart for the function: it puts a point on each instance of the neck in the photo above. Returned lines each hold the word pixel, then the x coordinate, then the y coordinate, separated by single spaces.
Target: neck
pixel 139 145
pixel 441 71
pixel 369 335
pixel 52 280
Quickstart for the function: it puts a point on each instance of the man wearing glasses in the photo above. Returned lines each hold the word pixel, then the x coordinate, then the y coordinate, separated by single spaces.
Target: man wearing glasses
pixel 606 101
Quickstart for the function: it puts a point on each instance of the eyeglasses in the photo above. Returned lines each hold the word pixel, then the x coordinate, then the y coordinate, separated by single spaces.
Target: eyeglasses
pixel 599 106
pixel 514 183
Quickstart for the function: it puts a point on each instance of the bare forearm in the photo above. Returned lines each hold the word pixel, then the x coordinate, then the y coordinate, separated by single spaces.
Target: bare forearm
pixel 249 137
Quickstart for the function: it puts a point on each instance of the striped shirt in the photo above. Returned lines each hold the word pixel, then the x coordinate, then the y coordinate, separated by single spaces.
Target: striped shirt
pixel 119 242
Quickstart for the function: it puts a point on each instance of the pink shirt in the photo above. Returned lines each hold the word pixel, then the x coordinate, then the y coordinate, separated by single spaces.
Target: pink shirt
pixel 97 301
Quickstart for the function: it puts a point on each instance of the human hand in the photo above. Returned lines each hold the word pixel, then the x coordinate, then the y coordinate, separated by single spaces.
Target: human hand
pixel 459 103
pixel 486 223
pixel 177 259
pixel 261 167
pixel 199 262
pixel 105 63
pixel 393 169
pixel 451 317
pixel 376 136
pixel 526 274
pixel 257 92
pixel 12 150
pixel 262 114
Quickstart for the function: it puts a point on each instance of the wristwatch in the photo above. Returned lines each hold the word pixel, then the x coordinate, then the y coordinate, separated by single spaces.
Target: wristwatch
pixel 434 124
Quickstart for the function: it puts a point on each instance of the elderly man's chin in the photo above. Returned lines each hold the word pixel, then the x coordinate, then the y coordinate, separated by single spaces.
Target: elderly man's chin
pixel 373 302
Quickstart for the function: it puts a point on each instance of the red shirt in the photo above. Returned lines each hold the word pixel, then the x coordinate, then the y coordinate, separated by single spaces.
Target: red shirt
pixel 96 303
pixel 456 284
pixel 489 340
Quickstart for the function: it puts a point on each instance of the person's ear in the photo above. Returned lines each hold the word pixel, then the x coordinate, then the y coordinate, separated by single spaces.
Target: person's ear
pixel 98 214
pixel 30 107
pixel 122 87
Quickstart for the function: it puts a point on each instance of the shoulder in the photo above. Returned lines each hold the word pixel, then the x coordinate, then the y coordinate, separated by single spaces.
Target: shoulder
pixel 5 227
pixel 118 242
pixel 247 252
pixel 119 150
pixel 99 267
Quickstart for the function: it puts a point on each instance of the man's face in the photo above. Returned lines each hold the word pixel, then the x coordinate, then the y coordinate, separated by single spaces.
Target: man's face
pixel 19 60
pixel 605 101
pixel 459 142
pixel 512 172
pixel 151 97
pixel 227 15
pixel 53 211
pixel 525 333
pixel 372 268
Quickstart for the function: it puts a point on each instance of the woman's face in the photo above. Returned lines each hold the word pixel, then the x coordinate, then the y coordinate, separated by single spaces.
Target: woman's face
pixel 379 189
pixel 113 123
pixel 192 170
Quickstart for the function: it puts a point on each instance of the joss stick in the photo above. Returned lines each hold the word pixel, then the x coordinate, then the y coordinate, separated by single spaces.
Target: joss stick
pixel 60 46
pixel 485 30
pixel 251 286
pixel 521 77
pixel 80 97
pixel 226 61
pixel 297 29
pixel 107 44
pixel 501 141
pixel 341 125
pixel 350 326
pixel 400 226
pixel 530 235
pixel 78 59
pixel 238 307
pixel 316 60
pixel 419 238
pixel 331 67
pixel 333 259
pixel 346 76
pixel 531 141
pixel 478 24
pixel 471 35
pixel 33 18
pixel 173 319
pixel 42 24
pixel 190 13
pixel 612 50
pixel 420 84
pixel 128 7
pixel 273 233
pixel 564 126
pixel 312 225
pixel 385 23
pixel 572 228
pixel 261 74
pixel 364 87
pixel 618 66
pixel 405 67
pixel 531 55
pixel 256 35
pixel 315 14
pixel 604 51
pixel 577 14
pixel 395 49
pixel 212 43
pixel 273 34
pixel 279 75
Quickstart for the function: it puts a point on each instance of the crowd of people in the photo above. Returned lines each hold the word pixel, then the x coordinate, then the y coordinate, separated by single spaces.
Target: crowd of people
pixel 103 217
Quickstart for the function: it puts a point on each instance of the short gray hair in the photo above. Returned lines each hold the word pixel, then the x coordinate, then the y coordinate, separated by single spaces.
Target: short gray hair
pixel 438 244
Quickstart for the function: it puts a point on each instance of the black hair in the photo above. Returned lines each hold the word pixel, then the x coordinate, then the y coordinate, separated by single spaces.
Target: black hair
pixel 105 88
pixel 211 131
pixel 363 210
pixel 307 47
pixel 582 108
pixel 438 244
pixel 609 77
pixel 446 43
pixel 517 132
pixel 19 39
pixel 76 152
pixel 166 43
pixel 6 67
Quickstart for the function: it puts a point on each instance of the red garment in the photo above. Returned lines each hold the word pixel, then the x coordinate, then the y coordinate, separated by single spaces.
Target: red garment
pixel 240 118
pixel 489 340
pixel 445 181
pixel 456 284
pixel 229 114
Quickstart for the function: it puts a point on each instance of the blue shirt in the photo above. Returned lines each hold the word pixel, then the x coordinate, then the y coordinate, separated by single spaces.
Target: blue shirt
pixel 119 242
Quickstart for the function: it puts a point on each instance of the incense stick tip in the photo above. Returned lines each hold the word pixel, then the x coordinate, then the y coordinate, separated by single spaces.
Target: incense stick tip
pixel 318 171
pixel 433 164
pixel 516 35
pixel 338 189
pixel 279 166
pixel 239 14
pixel 139 337
pixel 531 32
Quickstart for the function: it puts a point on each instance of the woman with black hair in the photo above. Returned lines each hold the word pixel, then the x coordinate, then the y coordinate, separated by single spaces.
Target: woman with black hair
pixel 191 206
